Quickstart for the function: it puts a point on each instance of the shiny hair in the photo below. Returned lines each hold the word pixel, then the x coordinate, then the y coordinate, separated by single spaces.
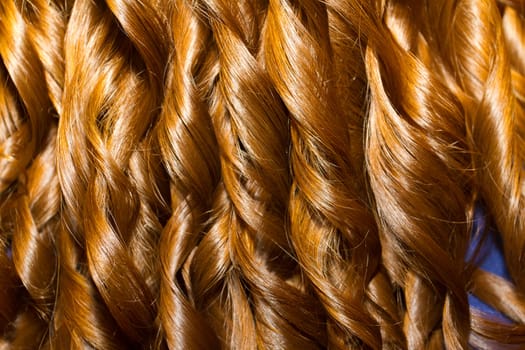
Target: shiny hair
pixel 273 174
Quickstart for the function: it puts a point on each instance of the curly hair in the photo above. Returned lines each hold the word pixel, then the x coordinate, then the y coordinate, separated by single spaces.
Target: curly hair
pixel 262 174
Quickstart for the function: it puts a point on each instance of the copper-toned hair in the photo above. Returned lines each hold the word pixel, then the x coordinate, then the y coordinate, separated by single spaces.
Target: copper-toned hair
pixel 261 174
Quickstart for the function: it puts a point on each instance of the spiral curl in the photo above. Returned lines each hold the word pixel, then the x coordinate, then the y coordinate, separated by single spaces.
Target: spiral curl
pixel 282 174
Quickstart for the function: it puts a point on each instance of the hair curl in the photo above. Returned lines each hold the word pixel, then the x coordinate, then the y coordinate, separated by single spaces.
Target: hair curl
pixel 273 174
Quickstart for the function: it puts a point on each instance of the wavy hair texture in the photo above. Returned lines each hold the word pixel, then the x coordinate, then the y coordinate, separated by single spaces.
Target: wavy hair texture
pixel 261 174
